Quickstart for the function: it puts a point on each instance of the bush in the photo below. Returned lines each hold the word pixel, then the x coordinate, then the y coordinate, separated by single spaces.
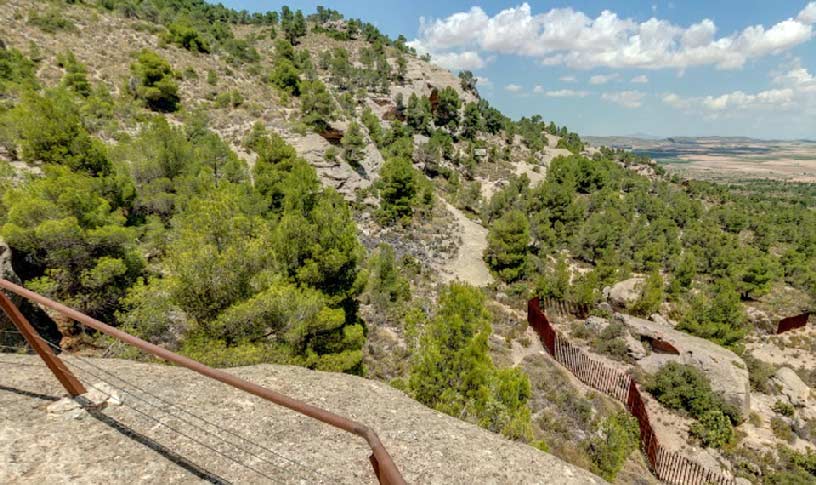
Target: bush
pixel 782 429
pixel 452 371
pixel 398 190
pixel 721 319
pixel 285 76
pixel 316 104
pixel 713 429
pixel 51 21
pixel 353 144
pixel 186 36
pixel 507 242
pixel 685 388
pixel 618 435
pixel 153 82
pixel 783 408
pixel 49 129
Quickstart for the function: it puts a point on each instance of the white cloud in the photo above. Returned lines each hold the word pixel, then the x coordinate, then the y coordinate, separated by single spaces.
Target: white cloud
pixel 642 79
pixel 627 99
pixel 808 14
pixel 484 82
pixel 566 36
pixel 675 101
pixel 602 78
pixel 562 93
pixel 795 92
pixel 567 79
pixel 513 88
pixel 459 60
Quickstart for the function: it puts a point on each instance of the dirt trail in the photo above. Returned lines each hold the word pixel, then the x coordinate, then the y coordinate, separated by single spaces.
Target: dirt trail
pixel 468 265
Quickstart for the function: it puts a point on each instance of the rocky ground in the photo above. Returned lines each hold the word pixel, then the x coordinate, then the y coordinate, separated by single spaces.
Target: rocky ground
pixel 45 440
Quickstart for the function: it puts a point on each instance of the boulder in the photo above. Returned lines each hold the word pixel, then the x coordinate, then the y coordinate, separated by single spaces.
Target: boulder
pixel 596 324
pixel 622 293
pixel 726 370
pixel 791 386
pixel 658 318
pixel 7 273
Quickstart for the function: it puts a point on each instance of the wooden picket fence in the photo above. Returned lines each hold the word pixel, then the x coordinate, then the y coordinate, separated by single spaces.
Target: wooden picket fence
pixel 667 465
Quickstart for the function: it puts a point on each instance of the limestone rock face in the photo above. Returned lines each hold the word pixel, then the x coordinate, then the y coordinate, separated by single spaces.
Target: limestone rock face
pixel 622 293
pixel 726 370
pixel 791 386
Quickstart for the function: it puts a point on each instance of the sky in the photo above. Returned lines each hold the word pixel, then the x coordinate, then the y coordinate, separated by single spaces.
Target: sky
pixel 662 68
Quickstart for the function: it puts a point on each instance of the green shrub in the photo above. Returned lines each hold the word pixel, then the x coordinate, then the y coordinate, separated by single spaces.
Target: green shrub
pixel 316 104
pixel 617 437
pixel 15 69
pixel 230 99
pixel 713 429
pixel 721 319
pixel 782 429
pixel 783 408
pixel 507 242
pixel 52 20
pixel 452 371
pixel 285 76
pixel 186 36
pixel 153 82
pixel 353 144
pixel 759 374
pixel 685 388
pixel 76 76
pixel 611 342
pixel 398 188
pixel 49 129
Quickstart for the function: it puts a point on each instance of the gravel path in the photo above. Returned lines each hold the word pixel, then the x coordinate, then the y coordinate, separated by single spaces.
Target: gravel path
pixel 468 265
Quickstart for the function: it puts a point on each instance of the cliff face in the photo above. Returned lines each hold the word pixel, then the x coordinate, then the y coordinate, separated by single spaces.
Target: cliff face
pixel 43 440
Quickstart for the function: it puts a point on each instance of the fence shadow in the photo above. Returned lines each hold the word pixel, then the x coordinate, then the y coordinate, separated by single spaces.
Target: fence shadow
pixel 167 453
pixel 200 472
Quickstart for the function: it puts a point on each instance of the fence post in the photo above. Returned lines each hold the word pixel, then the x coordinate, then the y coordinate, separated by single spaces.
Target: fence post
pixel 66 378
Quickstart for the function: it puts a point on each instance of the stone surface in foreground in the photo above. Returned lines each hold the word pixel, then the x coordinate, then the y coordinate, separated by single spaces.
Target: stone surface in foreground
pixel 118 445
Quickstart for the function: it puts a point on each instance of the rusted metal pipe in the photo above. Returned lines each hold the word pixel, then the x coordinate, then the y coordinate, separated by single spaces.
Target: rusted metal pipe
pixel 58 368
pixel 384 467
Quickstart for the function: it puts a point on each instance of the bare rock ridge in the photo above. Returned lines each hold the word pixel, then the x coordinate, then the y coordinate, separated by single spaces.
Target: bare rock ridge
pixel 45 443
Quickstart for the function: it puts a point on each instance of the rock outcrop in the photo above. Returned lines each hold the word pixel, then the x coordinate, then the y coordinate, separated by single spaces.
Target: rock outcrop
pixel 116 444
pixel 726 370
pixel 622 293
pixel 791 386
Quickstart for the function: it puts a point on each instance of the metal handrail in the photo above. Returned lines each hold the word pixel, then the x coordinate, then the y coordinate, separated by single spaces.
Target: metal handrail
pixel 384 467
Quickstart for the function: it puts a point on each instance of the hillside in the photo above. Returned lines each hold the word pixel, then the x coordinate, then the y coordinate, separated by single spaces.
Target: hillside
pixel 294 189
pixel 429 447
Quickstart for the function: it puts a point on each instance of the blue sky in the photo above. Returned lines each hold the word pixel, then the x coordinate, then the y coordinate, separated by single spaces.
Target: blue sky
pixel 603 68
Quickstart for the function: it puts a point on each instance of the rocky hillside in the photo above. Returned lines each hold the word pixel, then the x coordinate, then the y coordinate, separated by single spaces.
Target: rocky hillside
pixel 293 189
pixel 47 440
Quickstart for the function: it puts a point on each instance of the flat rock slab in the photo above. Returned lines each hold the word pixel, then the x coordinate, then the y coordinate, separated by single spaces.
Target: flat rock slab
pixel 118 444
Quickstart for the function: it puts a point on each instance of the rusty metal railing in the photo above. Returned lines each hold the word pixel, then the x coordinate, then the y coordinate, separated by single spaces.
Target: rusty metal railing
pixel 384 467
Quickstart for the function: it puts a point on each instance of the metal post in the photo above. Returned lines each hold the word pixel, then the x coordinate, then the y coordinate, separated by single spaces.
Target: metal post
pixel 66 378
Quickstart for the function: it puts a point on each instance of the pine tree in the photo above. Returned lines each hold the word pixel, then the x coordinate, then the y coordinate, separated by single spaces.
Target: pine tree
pixel 507 242
pixel 353 144
pixel 317 106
